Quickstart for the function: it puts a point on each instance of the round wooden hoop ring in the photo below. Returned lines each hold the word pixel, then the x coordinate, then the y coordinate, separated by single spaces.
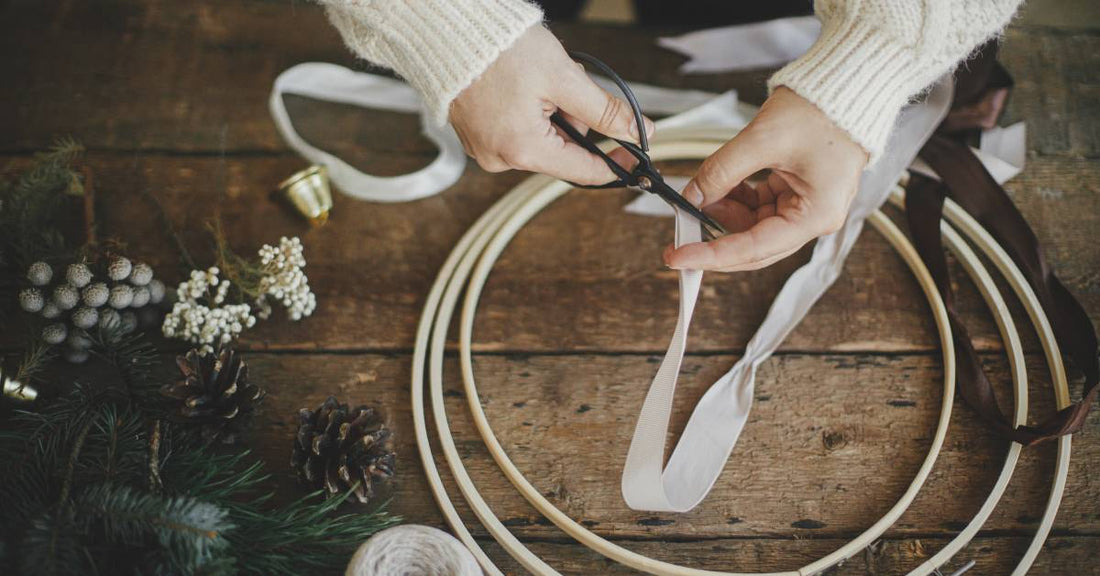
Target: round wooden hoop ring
pixel 1008 269
pixel 627 557
pixel 423 333
pixel 492 219
pixel 1014 349
pixel 523 211
pixel 1006 326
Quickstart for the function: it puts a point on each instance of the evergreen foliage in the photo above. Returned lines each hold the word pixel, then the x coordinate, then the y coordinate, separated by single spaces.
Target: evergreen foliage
pixel 76 498
pixel 29 205
pixel 94 479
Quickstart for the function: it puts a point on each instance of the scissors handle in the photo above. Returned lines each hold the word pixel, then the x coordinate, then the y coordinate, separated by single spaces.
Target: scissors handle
pixel 623 177
pixel 644 175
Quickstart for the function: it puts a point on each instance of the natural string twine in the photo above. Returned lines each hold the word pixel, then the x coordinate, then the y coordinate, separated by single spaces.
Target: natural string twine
pixel 468 268
pixel 413 550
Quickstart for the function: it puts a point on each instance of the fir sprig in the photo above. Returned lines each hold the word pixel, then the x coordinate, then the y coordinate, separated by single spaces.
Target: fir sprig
pixel 189 531
pixel 28 220
pixel 37 356
pixel 133 358
pixel 304 536
pixel 74 499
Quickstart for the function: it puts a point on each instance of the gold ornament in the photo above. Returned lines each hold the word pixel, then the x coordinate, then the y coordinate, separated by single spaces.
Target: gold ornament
pixel 309 193
pixel 22 393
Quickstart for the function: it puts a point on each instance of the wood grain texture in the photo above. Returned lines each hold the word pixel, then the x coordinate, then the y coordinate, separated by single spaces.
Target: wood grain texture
pixel 832 442
pixel 195 76
pixel 171 97
pixel 1063 555
pixel 374 263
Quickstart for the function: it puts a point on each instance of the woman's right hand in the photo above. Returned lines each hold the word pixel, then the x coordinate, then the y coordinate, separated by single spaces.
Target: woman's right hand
pixel 503 117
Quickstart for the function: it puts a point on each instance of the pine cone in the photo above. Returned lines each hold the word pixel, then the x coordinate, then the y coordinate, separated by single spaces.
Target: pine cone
pixel 338 448
pixel 214 393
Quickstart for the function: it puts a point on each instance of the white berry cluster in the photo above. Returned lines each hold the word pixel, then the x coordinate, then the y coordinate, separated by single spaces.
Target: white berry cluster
pixel 76 302
pixel 284 281
pixel 201 316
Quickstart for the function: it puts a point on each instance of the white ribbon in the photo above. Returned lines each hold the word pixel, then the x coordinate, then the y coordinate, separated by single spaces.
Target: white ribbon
pixel 338 84
pixel 333 83
pixel 720 415
pixel 745 46
pixel 1003 152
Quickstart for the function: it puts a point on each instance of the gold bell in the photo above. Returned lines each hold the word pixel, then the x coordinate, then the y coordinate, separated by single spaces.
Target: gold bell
pixel 309 193
pixel 23 393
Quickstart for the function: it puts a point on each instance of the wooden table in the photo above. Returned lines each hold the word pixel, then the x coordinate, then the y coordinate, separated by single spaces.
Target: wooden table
pixel 171 97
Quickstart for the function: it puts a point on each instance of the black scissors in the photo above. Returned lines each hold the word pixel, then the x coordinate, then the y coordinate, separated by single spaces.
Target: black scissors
pixel 645 175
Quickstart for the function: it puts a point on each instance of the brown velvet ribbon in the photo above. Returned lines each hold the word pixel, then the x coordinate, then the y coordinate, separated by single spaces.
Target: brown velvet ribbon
pixel 982 90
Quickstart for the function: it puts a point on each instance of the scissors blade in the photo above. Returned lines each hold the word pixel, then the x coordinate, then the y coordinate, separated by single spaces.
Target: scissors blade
pixel 711 229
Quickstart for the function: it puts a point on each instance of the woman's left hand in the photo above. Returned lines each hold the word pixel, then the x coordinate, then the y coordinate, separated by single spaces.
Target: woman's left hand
pixel 814 174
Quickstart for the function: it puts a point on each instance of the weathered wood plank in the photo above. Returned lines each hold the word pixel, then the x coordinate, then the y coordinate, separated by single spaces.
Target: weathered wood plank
pixel 179 83
pixel 374 263
pixel 832 442
pixel 1057 89
pixel 195 76
pixel 994 555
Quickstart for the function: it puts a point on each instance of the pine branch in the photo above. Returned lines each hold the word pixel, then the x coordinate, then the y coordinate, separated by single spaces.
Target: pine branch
pixel 218 478
pixel 28 229
pixel 70 466
pixel 189 531
pixel 133 358
pixel 57 530
pixel 297 538
pixel 303 536
pixel 63 500
pixel 38 355
pixel 115 449
pixel 155 482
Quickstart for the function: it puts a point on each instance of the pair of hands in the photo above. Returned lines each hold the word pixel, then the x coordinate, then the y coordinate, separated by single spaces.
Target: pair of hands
pixel 503 121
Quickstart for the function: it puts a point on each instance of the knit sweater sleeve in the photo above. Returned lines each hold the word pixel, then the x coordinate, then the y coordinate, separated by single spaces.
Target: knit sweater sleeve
pixel 438 46
pixel 874 55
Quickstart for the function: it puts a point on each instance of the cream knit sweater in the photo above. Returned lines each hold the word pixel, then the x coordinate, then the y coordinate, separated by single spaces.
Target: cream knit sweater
pixel 871 58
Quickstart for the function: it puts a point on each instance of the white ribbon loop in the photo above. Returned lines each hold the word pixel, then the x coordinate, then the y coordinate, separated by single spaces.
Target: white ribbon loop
pixel 334 83
pixel 643 461
pixel 720 416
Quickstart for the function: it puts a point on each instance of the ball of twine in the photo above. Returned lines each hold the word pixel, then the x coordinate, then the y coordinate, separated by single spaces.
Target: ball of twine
pixel 413 550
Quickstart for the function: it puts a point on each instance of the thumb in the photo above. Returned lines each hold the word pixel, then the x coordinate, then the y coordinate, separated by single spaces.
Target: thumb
pixel 583 99
pixel 725 169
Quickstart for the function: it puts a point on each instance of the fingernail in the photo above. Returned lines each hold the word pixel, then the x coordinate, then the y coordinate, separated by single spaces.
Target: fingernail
pixel 649 127
pixel 692 193
pixel 667 255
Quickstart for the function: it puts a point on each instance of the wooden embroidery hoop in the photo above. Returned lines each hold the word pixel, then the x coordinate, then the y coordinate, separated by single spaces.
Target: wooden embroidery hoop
pixel 1016 280
pixel 496 228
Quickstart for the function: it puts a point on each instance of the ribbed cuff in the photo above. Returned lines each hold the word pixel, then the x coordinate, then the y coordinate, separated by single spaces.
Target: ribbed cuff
pixel 858 76
pixel 441 46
